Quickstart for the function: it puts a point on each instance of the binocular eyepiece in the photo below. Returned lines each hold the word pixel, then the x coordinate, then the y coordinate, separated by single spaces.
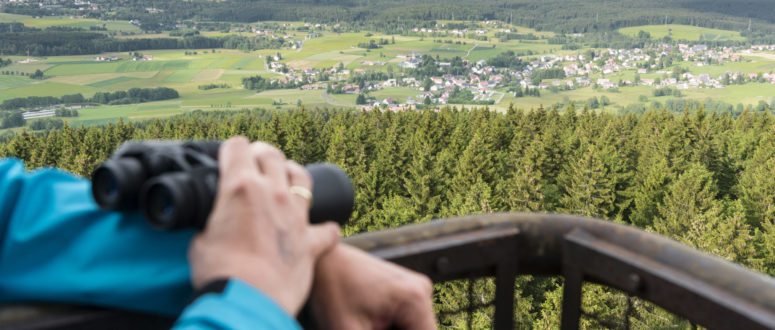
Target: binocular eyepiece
pixel 175 183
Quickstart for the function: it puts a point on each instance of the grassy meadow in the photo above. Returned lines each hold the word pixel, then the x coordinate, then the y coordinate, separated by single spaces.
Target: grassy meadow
pixel 683 32
pixel 67 21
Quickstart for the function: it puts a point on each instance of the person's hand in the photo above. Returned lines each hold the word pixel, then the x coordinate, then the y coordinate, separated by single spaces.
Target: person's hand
pixel 258 230
pixel 354 290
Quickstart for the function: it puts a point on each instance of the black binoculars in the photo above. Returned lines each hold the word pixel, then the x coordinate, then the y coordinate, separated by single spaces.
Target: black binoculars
pixel 174 184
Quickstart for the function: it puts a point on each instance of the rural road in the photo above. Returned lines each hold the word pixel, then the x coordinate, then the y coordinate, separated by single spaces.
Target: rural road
pixel 500 98
pixel 335 102
pixel 469 51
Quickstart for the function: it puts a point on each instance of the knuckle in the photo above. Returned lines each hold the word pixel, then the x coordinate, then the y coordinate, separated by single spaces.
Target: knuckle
pixel 267 151
pixel 245 185
pixel 281 197
pixel 426 285
pixel 300 174
pixel 236 140
pixel 419 287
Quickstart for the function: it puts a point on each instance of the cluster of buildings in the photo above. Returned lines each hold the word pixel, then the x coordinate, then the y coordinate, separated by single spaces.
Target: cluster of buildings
pixel 586 69
pixel 105 58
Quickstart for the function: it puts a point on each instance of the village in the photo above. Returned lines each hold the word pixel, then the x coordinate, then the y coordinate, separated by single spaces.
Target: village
pixel 654 66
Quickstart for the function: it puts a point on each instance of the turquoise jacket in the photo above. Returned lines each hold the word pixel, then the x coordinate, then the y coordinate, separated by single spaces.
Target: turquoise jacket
pixel 56 245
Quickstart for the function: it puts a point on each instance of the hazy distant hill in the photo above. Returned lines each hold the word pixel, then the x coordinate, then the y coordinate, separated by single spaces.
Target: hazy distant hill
pixel 568 16
pixel 557 15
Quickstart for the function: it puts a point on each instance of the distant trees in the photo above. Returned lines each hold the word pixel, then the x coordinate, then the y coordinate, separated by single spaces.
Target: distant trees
pixel 46 124
pixel 519 92
pixel 506 36
pixel 53 43
pixel 29 102
pixel 539 75
pixel 66 113
pixel 134 95
pixel 213 86
pixel 662 92
pixel 13 119
pixel 258 83
pixel 464 96
pixel 507 59
pixel 373 44
pixel 37 74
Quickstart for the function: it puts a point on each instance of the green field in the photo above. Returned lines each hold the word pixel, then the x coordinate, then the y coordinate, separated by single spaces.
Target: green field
pixel 112 81
pixel 683 32
pixel 45 88
pixel 85 23
pixel 14 81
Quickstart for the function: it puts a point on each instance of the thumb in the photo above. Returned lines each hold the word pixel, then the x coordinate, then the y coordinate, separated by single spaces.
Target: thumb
pixel 322 238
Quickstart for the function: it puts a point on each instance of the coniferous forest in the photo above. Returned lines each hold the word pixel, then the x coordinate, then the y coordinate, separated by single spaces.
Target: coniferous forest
pixel 704 179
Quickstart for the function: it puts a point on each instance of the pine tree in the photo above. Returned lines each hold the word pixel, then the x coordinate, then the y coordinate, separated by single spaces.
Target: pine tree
pixel 588 189
pixel 302 143
pixel 689 199
pixel 422 180
pixel 522 192
pixel 649 191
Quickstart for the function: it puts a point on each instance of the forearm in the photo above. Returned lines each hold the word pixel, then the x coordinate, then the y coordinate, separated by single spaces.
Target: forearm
pixel 56 245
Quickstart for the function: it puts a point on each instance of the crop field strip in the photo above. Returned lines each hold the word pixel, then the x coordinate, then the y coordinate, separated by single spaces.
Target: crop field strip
pixel 683 32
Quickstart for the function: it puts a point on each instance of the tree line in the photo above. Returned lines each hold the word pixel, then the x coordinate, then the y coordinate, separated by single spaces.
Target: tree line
pixel 55 43
pixel 133 95
pixel 704 179
pixel 399 16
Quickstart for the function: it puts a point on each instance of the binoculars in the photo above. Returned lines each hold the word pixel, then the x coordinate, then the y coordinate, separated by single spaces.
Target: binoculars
pixel 174 184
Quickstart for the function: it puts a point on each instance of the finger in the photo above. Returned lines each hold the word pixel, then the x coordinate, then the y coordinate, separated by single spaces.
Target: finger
pixel 416 312
pixel 271 163
pixel 231 157
pixel 322 238
pixel 299 177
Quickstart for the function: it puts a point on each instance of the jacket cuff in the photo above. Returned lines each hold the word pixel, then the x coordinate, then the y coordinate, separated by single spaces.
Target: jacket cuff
pixel 234 304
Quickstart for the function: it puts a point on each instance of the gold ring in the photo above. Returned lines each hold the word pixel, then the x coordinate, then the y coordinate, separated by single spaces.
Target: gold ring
pixel 301 192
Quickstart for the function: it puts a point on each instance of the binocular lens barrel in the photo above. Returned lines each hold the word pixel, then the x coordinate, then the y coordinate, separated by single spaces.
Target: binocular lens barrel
pixel 116 183
pixel 184 200
pixel 180 200
pixel 174 184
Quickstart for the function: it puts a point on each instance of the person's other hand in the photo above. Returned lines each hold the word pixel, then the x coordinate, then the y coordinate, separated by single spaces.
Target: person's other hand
pixel 258 230
pixel 354 290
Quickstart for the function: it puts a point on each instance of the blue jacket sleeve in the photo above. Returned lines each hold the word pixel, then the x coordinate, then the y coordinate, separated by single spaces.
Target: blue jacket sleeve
pixel 235 308
pixel 57 246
